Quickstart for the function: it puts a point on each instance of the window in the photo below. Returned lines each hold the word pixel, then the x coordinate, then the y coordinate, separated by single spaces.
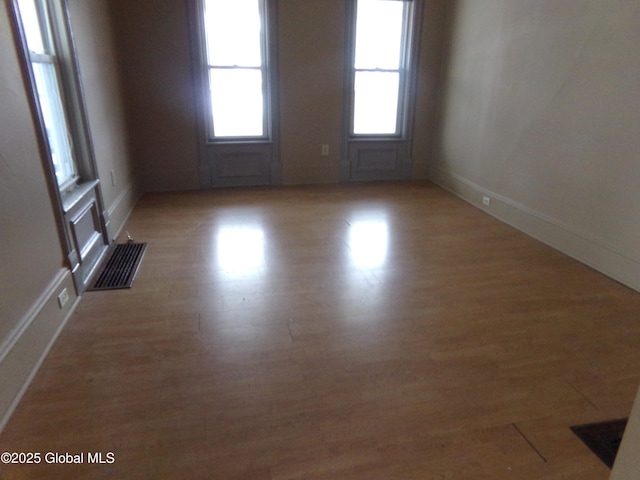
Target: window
pixel 235 63
pixel 37 24
pixel 380 83
pixel 236 60
pixel 380 64
pixel 42 30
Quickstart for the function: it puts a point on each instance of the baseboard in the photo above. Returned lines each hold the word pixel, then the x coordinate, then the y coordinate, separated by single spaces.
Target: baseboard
pixel 595 254
pixel 26 348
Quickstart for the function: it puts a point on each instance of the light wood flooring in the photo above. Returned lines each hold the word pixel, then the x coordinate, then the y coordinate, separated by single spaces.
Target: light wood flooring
pixel 369 332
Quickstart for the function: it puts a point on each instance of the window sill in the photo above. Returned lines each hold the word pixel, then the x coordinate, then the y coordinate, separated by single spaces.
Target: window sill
pixel 70 199
pixel 377 138
pixel 240 141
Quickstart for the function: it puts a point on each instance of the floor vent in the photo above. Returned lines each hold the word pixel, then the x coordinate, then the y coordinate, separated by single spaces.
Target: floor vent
pixel 119 267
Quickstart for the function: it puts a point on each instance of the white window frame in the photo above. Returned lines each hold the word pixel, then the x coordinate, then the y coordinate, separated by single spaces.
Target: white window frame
pixel 406 71
pixel 62 55
pixel 264 68
pixel 77 202
pixel 59 133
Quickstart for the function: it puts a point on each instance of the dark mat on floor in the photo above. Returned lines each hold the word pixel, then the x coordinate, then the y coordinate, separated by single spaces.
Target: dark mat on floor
pixel 602 438
pixel 119 268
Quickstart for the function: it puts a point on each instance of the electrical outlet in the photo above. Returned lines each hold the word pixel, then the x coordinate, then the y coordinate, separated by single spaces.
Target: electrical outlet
pixel 63 298
pixel 325 150
pixel 486 201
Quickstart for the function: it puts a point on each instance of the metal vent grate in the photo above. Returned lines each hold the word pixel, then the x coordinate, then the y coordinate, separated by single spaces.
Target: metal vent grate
pixel 119 267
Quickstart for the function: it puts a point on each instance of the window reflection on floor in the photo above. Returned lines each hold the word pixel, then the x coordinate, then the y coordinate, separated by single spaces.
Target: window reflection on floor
pixel 369 241
pixel 240 250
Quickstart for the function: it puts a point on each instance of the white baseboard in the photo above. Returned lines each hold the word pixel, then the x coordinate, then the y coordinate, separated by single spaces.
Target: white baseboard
pixel 577 245
pixel 22 353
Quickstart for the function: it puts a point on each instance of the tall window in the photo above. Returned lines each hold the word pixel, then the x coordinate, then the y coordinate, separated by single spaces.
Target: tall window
pixel 381 59
pixel 235 32
pixel 37 24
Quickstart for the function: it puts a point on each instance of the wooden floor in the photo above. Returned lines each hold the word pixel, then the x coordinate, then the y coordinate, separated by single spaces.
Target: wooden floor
pixel 370 332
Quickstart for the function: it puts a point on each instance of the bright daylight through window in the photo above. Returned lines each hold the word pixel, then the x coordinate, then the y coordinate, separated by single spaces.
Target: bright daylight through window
pixel 379 66
pixel 235 39
pixel 36 22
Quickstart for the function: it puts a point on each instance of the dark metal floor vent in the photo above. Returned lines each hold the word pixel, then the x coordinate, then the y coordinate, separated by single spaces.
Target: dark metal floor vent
pixel 119 267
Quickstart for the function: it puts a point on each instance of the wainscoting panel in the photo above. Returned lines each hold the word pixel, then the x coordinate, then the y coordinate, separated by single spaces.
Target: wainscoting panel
pixel 377 160
pixel 232 165
pixel 88 237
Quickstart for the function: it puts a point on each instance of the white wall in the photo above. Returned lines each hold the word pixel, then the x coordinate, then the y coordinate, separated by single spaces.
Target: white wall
pixel 542 112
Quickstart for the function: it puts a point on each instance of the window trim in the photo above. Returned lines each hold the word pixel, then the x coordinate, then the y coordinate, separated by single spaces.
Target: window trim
pixel 412 14
pixel 87 188
pixel 56 97
pixel 71 163
pixel 72 96
pixel 201 64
